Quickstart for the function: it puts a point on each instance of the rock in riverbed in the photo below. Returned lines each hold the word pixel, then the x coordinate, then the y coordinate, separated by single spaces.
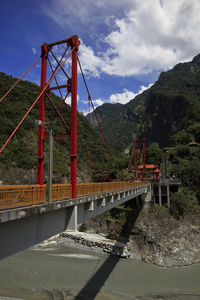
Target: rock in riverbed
pixel 95 241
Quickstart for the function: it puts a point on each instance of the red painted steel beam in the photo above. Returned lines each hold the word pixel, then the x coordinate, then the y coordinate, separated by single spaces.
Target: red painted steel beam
pixel 58 113
pixel 74 42
pixel 60 42
pixel 58 87
pixel 145 161
pixel 41 129
pixel 59 64
pixel 60 107
pixel 32 106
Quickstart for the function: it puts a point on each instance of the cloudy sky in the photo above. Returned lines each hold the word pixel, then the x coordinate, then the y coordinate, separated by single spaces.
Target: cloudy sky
pixel 125 44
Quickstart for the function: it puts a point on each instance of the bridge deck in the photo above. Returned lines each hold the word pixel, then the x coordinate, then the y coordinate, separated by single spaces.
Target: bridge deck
pixel 12 196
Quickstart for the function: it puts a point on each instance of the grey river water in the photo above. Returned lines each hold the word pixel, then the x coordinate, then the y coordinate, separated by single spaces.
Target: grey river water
pixel 58 271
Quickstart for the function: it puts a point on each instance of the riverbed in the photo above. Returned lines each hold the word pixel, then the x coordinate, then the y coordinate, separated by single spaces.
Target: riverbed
pixel 58 271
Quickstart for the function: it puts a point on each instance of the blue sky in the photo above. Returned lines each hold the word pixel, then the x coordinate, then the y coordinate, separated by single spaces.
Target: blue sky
pixel 124 44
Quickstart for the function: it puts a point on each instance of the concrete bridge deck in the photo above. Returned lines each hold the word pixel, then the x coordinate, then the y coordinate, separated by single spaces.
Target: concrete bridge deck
pixel 25 226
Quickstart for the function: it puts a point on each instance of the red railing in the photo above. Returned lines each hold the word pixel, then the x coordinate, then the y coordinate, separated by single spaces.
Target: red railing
pixel 21 195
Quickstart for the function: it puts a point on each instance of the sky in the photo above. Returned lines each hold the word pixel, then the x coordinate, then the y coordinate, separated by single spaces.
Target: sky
pixel 125 44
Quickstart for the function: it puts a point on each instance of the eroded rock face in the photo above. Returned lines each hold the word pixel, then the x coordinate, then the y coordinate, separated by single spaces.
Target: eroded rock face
pixel 164 241
pixel 156 237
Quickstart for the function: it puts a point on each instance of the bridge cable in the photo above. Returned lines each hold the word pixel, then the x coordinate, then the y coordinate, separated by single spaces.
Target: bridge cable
pixel 100 128
pixel 58 62
pixel 14 85
pixel 89 150
pixel 130 162
pixel 55 79
pixel 32 106
pixel 59 114
pixel 101 132
pixel 61 109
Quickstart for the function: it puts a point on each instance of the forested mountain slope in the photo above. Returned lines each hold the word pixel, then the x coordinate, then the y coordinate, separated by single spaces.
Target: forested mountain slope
pixel 21 152
pixel 170 105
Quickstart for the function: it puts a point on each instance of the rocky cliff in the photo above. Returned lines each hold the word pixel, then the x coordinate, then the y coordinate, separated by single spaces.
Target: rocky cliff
pixel 170 105
pixel 155 236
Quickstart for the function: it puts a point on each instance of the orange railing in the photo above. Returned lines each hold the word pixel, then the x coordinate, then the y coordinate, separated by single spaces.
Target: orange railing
pixel 21 195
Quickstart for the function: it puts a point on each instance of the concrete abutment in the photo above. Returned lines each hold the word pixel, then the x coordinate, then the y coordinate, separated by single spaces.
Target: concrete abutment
pixel 21 228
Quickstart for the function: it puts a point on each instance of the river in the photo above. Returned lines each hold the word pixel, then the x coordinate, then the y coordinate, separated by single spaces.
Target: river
pixel 58 271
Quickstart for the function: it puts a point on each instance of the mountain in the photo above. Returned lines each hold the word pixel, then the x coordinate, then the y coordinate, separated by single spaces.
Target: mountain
pixel 172 104
pixel 20 155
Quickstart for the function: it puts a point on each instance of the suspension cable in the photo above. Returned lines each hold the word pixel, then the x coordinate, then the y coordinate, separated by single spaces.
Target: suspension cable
pixel 135 161
pixel 24 117
pixel 89 150
pixel 89 97
pixel 55 79
pixel 59 63
pixel 60 107
pixel 59 114
pixel 61 150
pixel 130 162
pixel 14 85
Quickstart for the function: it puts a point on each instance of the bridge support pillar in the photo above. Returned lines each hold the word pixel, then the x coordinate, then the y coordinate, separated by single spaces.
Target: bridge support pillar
pixel 160 195
pixel 103 203
pixel 112 199
pixel 147 198
pixel 168 196
pixel 72 218
pixel 91 207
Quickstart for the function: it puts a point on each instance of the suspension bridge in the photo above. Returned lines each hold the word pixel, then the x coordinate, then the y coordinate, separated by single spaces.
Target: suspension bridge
pixel 31 213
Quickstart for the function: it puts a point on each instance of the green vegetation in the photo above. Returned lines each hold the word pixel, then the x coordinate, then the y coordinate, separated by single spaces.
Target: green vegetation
pixel 181 201
pixel 21 152
pixel 166 115
pixel 154 154
pixel 169 106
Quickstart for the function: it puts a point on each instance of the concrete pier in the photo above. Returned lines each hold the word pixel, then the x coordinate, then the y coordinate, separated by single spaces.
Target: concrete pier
pixel 162 190
pixel 24 227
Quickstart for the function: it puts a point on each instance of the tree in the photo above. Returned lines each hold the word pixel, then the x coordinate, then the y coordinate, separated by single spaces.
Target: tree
pixel 178 204
pixel 154 154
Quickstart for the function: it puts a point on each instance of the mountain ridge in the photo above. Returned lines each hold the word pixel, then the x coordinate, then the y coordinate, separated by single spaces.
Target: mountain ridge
pixel 170 105
pixel 21 152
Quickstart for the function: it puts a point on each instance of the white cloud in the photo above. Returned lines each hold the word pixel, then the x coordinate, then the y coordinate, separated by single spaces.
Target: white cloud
pixel 144 88
pixel 90 63
pixel 68 99
pixel 122 98
pixel 34 50
pixel 126 96
pixel 144 36
pixel 98 102
pixel 154 36
pixel 89 15
pixel 84 112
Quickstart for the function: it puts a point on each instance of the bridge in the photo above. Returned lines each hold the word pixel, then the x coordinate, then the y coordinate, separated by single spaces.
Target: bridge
pixel 27 218
pixel 31 213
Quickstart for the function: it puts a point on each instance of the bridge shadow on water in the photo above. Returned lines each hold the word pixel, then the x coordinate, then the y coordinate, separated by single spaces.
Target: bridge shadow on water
pixel 97 281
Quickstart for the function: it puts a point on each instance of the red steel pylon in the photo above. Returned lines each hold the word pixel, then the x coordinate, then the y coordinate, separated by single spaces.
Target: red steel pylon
pixel 41 129
pixel 71 86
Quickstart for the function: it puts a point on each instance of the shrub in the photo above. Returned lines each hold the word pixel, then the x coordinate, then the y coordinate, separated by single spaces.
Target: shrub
pixel 179 202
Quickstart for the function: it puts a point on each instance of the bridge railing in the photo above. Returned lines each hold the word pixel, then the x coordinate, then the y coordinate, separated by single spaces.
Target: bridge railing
pixel 21 195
